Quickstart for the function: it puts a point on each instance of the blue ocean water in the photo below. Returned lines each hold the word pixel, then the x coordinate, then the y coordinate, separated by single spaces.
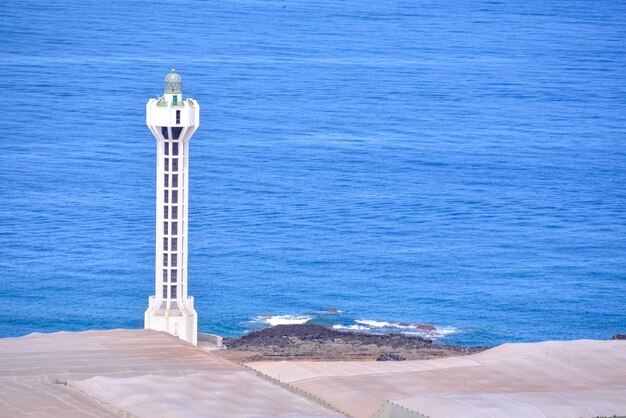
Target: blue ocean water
pixel 453 163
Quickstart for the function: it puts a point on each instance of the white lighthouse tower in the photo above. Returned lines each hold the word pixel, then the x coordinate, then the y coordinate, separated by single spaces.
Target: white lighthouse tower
pixel 172 121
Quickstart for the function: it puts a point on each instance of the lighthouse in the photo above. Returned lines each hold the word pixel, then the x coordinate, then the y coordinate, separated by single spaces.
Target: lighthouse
pixel 172 120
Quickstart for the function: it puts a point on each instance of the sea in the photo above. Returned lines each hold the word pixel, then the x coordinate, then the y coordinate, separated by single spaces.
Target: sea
pixel 450 169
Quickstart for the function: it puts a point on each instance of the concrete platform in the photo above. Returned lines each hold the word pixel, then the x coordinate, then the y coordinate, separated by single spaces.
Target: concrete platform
pixel 133 373
pixel 551 379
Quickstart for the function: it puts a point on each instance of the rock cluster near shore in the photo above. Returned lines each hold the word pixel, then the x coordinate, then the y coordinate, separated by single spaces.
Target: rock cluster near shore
pixel 316 342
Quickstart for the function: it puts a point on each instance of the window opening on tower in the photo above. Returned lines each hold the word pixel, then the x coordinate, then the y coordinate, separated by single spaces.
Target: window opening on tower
pixel 177 113
pixel 176 130
pixel 164 132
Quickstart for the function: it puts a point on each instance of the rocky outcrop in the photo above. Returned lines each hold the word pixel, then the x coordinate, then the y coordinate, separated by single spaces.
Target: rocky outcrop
pixel 310 341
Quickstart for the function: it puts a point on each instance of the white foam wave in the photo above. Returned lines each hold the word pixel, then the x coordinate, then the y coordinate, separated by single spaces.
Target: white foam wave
pixel 274 320
pixel 447 330
pixel 363 325
pixel 373 324
pixel 351 327
pixel 397 325
pixel 427 330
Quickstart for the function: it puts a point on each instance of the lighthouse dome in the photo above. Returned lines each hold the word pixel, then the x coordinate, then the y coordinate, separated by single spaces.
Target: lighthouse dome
pixel 173 83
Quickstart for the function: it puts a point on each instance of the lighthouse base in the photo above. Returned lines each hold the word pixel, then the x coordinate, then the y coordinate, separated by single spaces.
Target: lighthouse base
pixel 175 317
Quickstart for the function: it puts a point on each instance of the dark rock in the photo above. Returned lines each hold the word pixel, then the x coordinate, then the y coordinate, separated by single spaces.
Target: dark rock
pixel 279 335
pixel 619 337
pixel 318 342
pixel 390 357
pixel 426 327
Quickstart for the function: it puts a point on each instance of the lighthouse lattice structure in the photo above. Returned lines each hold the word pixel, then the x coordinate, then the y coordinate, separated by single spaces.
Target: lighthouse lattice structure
pixel 172 120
